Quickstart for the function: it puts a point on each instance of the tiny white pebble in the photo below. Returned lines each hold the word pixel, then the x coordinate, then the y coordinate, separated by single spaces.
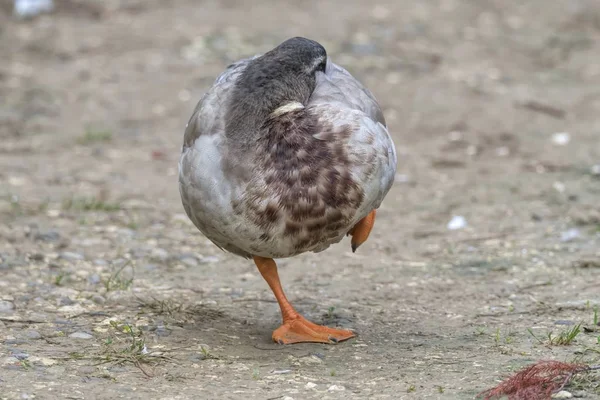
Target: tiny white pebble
pixel 336 388
pixel 80 335
pixel 310 385
pixel 561 138
pixel 457 222
pixel 569 235
pixel 281 371
pixel 563 394
pixel 559 186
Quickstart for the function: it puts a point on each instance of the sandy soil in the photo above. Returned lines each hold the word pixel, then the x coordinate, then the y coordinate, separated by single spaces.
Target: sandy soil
pixel 107 290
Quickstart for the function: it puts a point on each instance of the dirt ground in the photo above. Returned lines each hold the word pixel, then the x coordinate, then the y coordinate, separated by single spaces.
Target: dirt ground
pixel 107 290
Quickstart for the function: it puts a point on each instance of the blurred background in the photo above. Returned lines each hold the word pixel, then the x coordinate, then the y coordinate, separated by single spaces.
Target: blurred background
pixel 492 226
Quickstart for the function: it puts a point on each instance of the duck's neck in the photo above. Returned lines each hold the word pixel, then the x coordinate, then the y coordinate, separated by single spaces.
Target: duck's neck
pixel 266 89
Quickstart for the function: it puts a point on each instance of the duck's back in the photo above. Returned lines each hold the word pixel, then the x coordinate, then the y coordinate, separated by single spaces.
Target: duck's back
pixel 302 182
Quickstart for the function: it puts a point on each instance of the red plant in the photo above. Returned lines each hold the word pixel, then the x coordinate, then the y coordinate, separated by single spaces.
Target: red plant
pixel 536 382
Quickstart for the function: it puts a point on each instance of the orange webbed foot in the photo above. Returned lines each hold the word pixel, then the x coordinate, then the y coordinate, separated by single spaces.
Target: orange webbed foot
pixel 300 330
pixel 295 328
pixel 360 232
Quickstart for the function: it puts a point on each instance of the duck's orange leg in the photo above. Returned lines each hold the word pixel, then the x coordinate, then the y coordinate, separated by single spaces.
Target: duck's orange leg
pixel 295 328
pixel 360 232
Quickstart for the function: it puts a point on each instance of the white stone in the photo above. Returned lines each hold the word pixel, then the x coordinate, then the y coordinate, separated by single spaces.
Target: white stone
pixel 561 138
pixel 81 335
pixel 563 394
pixel 457 222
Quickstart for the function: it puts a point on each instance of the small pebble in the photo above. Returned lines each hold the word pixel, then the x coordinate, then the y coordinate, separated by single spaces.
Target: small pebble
pixel 595 170
pixel 209 260
pixel 189 261
pixel 33 335
pixel 86 370
pixel 65 301
pixel 559 187
pixel 81 335
pixel 336 388
pixel 457 222
pixel 48 236
pixel 569 235
pixel 98 299
pixel 70 256
pixel 281 371
pixel 162 330
pixel 564 322
pixel 310 385
pixel 160 254
pixel 19 355
pixel 6 306
pixel 94 279
pixel 37 257
pixel 31 8
pixel 561 138
pixel 563 394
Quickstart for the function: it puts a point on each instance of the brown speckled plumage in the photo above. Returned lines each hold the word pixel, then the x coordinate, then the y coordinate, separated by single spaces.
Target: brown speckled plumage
pixel 309 183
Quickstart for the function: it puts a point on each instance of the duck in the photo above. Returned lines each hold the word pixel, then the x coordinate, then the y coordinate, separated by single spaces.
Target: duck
pixel 286 153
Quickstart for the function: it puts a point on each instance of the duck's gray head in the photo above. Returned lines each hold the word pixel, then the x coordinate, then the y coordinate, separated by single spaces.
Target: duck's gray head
pixel 284 75
pixel 298 55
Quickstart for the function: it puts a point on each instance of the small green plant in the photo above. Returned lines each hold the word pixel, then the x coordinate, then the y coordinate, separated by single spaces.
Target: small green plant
pixel 255 374
pixel 92 136
pixel 117 281
pixel 440 389
pixel 207 354
pixel 596 321
pixel 411 389
pixel 332 372
pixel 59 279
pixel 480 330
pixel 507 339
pixel 329 314
pixel 564 338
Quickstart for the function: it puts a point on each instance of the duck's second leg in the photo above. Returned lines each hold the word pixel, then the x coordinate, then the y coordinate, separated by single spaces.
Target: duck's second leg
pixel 295 328
pixel 360 232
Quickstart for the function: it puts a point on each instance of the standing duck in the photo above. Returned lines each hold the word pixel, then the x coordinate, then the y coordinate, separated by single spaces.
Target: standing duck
pixel 286 153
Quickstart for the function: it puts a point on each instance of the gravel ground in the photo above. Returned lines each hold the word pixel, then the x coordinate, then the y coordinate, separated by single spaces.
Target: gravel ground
pixel 488 242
